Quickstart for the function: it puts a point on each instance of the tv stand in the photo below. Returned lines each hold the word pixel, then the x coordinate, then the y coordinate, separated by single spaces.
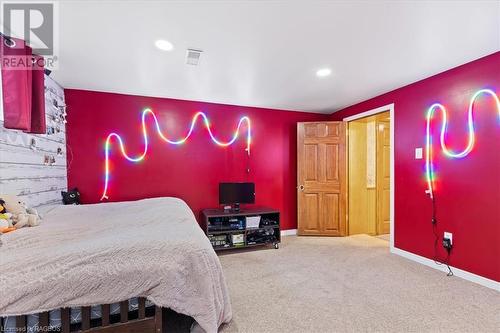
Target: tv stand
pixel 230 230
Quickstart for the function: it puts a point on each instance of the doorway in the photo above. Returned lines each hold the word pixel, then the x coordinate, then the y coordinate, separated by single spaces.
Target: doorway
pixel 369 174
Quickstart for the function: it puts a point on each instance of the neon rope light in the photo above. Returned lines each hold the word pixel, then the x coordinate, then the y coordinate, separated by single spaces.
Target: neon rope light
pixel 429 167
pixel 142 156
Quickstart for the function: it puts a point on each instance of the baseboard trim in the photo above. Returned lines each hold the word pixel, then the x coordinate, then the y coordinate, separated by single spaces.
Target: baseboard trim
pixel 456 271
pixel 289 232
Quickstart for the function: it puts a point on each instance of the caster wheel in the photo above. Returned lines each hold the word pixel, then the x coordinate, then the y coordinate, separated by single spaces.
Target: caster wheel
pixel 276 246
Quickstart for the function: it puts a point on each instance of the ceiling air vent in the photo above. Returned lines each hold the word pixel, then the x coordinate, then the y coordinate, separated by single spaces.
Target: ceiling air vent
pixel 193 56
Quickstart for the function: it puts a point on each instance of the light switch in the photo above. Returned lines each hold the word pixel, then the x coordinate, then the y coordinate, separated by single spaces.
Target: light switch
pixel 418 153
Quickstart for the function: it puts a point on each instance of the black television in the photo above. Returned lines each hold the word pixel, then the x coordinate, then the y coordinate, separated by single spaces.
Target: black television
pixel 236 194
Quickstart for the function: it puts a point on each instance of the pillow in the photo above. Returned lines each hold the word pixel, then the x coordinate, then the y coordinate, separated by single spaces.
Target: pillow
pixel 72 197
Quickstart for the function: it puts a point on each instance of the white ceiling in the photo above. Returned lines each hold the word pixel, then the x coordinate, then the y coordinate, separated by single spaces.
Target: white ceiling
pixel 266 54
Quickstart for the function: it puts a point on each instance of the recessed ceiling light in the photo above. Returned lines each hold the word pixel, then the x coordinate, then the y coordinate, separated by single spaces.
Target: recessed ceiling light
pixel 164 45
pixel 323 72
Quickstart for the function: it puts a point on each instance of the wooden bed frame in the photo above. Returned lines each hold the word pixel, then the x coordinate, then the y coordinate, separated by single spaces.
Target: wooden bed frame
pixel 152 319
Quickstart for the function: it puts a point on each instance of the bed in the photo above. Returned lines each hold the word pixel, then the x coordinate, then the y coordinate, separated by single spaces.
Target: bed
pixel 133 254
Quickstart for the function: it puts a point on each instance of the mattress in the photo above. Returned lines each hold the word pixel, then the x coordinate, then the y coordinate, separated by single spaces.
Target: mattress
pixel 106 253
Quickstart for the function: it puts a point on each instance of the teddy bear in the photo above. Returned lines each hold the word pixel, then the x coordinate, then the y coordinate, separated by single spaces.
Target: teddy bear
pixel 22 216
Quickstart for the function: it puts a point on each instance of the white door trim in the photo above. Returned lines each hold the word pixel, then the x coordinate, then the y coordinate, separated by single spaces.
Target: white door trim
pixel 385 108
pixel 388 107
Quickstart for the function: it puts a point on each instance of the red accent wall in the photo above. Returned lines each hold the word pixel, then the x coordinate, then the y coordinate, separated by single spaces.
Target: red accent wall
pixel 468 189
pixel 190 171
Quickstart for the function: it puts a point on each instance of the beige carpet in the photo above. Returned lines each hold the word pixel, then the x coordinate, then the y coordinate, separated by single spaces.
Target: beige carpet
pixel 385 237
pixel 350 284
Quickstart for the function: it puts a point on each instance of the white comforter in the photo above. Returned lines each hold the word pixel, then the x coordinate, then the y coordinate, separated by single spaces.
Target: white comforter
pixel 106 253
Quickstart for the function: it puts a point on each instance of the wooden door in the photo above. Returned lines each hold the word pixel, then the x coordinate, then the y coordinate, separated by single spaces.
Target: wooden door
pixel 321 178
pixel 383 173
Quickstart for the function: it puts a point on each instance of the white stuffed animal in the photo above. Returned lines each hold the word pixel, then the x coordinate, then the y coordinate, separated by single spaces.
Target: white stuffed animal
pixel 22 216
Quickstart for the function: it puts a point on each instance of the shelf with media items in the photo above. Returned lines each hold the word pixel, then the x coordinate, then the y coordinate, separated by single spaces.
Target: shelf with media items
pixel 251 227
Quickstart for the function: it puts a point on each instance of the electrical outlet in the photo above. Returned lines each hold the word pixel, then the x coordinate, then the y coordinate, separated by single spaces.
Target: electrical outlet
pixel 448 235
pixel 448 241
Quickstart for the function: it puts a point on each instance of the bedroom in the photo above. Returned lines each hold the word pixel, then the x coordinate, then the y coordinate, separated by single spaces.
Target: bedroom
pixel 249 166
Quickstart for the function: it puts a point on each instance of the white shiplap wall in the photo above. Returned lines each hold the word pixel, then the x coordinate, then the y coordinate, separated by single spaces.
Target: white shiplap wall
pixel 23 170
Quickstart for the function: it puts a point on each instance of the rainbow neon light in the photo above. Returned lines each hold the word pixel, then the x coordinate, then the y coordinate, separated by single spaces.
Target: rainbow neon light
pixel 164 138
pixel 429 167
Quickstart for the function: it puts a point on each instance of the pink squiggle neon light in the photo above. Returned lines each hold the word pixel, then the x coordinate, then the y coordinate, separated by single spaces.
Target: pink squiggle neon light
pixel 429 166
pixel 164 138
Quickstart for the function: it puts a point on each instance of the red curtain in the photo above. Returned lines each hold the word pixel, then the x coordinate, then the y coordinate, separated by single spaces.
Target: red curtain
pixel 23 89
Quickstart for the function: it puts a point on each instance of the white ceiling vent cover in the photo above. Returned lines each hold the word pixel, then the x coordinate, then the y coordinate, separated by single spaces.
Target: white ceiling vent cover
pixel 193 57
